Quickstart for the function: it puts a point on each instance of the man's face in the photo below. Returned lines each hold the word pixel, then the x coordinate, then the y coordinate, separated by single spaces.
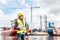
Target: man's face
pixel 21 17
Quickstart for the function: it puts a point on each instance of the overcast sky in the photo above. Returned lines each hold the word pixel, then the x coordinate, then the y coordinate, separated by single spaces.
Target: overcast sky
pixel 10 8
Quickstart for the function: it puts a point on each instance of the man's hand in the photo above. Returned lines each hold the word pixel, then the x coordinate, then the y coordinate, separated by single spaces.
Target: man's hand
pixel 18 29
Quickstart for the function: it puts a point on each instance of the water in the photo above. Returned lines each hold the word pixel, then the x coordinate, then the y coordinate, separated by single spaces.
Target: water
pixel 31 38
pixel 38 37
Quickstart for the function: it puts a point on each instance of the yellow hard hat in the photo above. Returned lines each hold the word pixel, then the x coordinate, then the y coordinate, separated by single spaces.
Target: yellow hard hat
pixel 20 14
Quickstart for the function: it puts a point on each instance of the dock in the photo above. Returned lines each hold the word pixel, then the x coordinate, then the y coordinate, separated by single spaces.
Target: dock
pixel 39 34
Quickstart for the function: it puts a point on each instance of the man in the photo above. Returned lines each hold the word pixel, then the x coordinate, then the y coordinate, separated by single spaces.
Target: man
pixel 21 25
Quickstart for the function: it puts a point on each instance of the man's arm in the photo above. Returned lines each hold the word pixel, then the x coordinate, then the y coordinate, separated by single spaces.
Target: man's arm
pixel 27 26
pixel 16 25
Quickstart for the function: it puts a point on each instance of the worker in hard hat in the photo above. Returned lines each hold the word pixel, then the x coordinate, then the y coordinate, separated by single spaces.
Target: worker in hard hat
pixel 21 26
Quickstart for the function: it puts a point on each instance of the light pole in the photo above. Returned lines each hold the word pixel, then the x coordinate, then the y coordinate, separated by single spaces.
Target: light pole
pixel 32 15
pixel 45 22
pixel 41 23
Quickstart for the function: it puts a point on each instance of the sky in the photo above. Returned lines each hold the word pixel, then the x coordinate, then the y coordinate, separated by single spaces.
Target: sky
pixel 10 8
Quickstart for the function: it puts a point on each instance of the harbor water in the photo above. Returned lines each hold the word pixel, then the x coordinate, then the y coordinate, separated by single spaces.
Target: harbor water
pixel 31 38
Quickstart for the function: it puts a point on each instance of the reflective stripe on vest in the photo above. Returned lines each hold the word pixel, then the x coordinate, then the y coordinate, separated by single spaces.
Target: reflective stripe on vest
pixel 23 29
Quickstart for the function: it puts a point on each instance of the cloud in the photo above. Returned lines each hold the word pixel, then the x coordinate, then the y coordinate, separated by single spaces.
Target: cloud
pixel 6 18
pixel 2 20
pixel 55 11
pixel 1 12
pixel 3 1
pixel 32 2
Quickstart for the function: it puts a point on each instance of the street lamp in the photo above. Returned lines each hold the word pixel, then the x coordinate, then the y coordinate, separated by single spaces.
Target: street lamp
pixel 32 16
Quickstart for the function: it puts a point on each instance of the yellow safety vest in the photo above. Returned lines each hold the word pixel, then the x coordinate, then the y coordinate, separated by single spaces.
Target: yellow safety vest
pixel 23 30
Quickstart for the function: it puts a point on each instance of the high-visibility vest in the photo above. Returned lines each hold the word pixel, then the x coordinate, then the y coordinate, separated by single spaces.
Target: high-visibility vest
pixel 23 29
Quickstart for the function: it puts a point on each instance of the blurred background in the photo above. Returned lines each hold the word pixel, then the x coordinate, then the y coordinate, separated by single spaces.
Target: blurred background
pixel 38 13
